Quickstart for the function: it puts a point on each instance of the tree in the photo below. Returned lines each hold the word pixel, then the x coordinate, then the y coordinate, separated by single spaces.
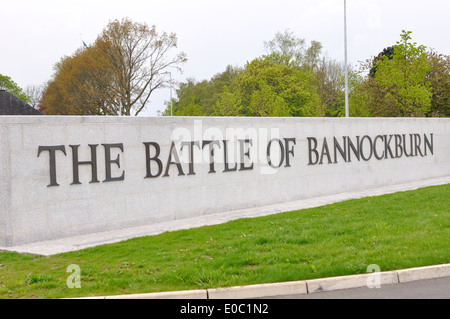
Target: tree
pixel 279 88
pixel 205 94
pixel 312 55
pixel 117 74
pixel 328 74
pixel 368 99
pixel 403 80
pixel 387 52
pixel 404 77
pixel 192 109
pixel 439 78
pixel 291 79
pixel 83 84
pixel 329 77
pixel 7 84
pixel 266 103
pixel 139 57
pixel 286 48
pixel 228 104
pixel 34 92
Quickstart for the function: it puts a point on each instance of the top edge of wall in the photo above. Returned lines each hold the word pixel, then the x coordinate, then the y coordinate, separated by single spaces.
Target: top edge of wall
pixel 24 119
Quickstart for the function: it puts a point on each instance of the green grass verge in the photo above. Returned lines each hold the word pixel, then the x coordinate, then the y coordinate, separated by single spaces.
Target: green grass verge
pixel 396 231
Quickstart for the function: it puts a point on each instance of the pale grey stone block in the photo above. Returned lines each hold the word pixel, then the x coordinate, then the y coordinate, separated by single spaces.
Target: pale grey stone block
pixel 34 136
pixel 29 218
pixel 66 213
pixel 141 205
pixel 15 137
pixel 91 207
pixel 105 209
pixel 4 152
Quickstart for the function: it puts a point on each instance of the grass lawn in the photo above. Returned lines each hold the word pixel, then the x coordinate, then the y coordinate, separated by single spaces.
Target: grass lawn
pixel 396 231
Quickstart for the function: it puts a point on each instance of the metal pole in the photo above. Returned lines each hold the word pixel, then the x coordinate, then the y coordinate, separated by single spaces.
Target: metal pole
pixel 347 114
pixel 171 101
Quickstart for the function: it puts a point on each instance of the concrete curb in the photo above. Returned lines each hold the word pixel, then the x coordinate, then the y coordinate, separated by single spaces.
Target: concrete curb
pixel 187 294
pixel 355 281
pixel 431 272
pixel 300 287
pixel 259 291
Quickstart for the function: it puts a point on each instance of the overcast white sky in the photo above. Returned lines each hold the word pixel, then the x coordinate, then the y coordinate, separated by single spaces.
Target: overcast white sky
pixel 213 33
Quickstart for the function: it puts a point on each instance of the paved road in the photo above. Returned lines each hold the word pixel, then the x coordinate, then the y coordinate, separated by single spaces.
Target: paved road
pixel 423 289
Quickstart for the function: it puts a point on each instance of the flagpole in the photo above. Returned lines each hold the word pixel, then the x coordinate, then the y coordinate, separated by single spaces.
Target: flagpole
pixel 346 65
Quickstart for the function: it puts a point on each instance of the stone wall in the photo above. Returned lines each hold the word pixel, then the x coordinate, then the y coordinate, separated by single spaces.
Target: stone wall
pixel 66 176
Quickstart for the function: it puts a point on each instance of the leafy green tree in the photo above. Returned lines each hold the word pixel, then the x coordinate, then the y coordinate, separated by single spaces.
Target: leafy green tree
pixel 7 84
pixel 312 57
pixel 266 103
pixel 291 79
pixel 368 100
pixel 192 109
pixel 329 79
pixel 328 74
pixel 387 52
pixel 439 78
pixel 266 81
pixel 228 104
pixel 404 77
pixel 403 80
pixel 285 48
pixel 189 92
pixel 205 94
